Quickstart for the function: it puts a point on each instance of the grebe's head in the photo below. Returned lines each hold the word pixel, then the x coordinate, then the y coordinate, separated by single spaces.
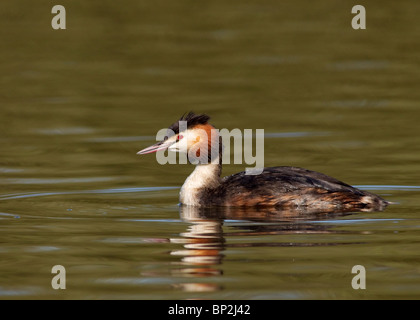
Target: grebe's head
pixel 193 136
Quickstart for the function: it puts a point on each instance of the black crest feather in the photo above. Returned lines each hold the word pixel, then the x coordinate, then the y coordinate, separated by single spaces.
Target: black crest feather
pixel 192 120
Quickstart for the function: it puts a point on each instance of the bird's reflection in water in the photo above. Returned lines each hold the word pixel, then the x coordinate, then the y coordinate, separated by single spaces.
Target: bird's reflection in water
pixel 204 240
pixel 203 244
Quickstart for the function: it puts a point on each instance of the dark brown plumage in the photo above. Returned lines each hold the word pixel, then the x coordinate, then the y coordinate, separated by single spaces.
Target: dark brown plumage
pixel 192 121
pixel 290 187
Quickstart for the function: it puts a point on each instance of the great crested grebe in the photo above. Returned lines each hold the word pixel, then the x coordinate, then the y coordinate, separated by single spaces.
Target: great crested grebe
pixel 281 187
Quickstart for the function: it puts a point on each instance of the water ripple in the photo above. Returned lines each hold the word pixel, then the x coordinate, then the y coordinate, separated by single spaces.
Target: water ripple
pixel 53 180
pixel 293 134
pixel 122 139
pixel 388 187
pixel 98 191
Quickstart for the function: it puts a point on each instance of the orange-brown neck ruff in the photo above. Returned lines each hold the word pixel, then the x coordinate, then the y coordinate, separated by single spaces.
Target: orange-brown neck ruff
pixel 209 135
pixel 204 144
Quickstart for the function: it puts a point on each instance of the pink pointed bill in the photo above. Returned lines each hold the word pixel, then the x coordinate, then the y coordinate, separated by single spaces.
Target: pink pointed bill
pixel 161 145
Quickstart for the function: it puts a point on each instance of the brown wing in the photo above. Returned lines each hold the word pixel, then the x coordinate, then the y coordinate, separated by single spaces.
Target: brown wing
pixel 289 187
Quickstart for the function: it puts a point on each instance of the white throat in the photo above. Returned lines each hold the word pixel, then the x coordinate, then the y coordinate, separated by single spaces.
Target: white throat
pixel 204 176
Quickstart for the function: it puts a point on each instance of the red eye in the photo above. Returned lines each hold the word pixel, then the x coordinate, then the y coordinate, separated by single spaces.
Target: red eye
pixel 179 137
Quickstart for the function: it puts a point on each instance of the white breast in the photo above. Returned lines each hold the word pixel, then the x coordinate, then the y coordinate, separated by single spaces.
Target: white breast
pixel 203 176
